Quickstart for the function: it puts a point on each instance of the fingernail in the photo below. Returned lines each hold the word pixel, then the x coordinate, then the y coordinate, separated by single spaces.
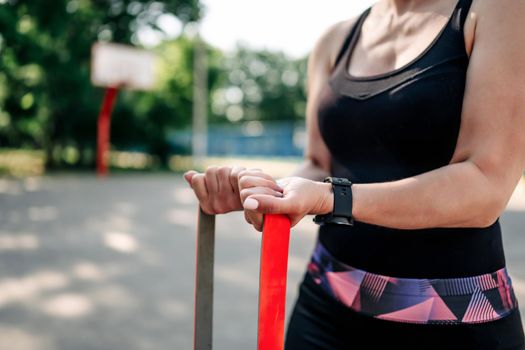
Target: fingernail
pixel 250 203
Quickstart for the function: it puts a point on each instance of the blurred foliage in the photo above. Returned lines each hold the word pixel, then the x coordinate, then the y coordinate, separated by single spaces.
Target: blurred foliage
pixel 260 85
pixel 142 120
pixel 47 101
pixel 21 162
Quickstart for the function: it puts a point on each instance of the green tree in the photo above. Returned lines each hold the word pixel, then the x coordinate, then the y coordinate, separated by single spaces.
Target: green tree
pixel 144 120
pixel 260 85
pixel 46 99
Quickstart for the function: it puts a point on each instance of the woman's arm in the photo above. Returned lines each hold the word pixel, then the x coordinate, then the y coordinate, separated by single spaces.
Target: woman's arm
pixel 321 60
pixel 316 162
pixel 218 188
pixel 489 158
pixel 317 158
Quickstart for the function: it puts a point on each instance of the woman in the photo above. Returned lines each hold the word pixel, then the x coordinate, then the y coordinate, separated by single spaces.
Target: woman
pixel 421 105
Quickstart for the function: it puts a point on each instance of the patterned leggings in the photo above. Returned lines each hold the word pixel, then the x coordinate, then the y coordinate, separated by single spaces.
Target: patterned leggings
pixel 327 316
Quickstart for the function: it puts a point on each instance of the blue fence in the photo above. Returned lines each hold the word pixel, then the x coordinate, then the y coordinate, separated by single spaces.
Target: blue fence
pixel 283 138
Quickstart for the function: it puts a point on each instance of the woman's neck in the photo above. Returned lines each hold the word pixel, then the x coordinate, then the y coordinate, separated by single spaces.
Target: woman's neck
pixel 402 6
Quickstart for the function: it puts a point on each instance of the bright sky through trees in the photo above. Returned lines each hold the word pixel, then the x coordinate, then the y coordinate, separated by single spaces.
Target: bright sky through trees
pixel 288 25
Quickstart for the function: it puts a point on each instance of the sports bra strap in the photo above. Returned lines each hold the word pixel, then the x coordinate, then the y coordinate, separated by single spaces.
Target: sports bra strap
pixel 463 6
pixel 350 36
pixel 463 11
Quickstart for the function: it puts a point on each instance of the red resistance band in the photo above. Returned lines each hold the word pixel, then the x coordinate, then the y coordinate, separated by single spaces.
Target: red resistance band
pixel 272 282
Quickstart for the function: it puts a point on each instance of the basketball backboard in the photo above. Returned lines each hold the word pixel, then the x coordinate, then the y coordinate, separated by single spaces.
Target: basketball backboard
pixel 122 66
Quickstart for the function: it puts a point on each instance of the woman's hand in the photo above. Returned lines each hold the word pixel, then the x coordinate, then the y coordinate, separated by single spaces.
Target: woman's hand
pixel 300 197
pixel 217 189
pixel 254 181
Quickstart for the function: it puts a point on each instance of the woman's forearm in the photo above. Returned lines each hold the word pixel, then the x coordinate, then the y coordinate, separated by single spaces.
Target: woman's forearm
pixel 456 195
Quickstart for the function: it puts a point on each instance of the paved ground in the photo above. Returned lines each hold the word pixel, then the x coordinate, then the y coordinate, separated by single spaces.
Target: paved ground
pixel 109 265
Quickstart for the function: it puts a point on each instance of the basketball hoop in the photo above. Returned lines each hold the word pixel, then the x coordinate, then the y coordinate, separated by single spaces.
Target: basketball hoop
pixel 114 67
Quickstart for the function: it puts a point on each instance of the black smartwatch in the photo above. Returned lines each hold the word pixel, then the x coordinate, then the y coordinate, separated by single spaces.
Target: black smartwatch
pixel 342 212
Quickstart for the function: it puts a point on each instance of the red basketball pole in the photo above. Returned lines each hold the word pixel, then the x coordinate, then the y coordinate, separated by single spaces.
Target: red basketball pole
pixel 104 122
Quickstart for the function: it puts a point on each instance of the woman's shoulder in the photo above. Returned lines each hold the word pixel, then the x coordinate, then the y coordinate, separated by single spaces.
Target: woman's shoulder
pixel 493 18
pixel 496 10
pixel 330 42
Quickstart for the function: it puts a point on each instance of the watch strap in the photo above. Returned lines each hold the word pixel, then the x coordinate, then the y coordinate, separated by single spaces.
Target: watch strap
pixel 342 206
pixel 342 197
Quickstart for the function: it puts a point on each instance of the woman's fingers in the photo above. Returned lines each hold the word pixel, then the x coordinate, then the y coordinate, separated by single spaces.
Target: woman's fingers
pixel 248 181
pixel 247 216
pixel 268 204
pixel 212 182
pixel 224 189
pixel 255 182
pixel 188 175
pixel 198 183
pixel 256 172
pixel 255 218
pixel 214 188
pixel 259 224
pixel 246 192
pixel 259 205
pixel 219 187
pixel 234 177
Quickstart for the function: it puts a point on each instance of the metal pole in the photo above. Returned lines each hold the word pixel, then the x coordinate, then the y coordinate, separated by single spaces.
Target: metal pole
pixel 200 100
pixel 202 336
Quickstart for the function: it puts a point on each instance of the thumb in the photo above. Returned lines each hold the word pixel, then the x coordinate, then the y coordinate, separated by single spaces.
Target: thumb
pixel 268 204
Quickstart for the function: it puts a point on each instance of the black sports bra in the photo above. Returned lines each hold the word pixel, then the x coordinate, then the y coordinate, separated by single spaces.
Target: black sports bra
pixel 396 125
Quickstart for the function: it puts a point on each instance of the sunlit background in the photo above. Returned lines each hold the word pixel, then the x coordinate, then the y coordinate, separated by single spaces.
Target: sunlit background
pixel 108 263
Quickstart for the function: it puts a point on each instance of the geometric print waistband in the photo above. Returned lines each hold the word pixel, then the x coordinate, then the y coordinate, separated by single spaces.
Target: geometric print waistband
pixel 472 299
